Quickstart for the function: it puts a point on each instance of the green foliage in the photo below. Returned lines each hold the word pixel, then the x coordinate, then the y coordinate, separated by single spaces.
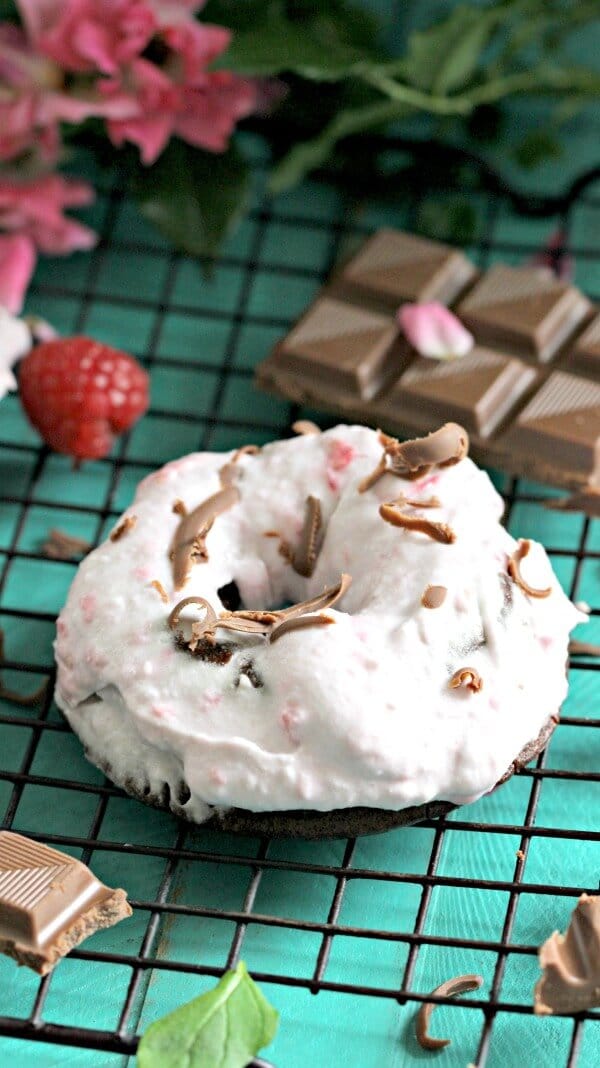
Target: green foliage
pixel 192 197
pixel 224 1028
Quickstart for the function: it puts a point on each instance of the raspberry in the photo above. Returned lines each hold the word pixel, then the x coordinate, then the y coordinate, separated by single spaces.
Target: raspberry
pixel 79 394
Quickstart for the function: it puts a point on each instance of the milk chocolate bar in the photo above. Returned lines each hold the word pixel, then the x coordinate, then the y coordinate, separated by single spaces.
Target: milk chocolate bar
pixel 49 902
pixel 528 392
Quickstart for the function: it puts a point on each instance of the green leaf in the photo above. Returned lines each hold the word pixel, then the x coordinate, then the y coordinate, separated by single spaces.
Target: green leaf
pixel 444 57
pixel 315 49
pixel 536 147
pixel 193 197
pixel 222 1029
pixel 308 155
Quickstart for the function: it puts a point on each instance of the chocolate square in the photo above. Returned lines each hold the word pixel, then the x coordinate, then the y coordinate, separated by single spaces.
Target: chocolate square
pixel 393 267
pixel 586 351
pixel 523 310
pixel 346 346
pixel 478 390
pixel 561 420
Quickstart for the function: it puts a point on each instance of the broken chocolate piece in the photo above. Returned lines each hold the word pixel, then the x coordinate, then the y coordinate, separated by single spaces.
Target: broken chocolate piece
pixel 586 352
pixel 523 310
pixel 61 546
pixel 337 342
pixel 305 427
pixel 305 556
pixel 467 677
pixel 571 964
pixel 49 902
pixel 393 267
pixel 189 542
pixel 577 648
pixel 437 531
pixel 514 570
pixel 478 390
pixel 562 419
pixel 462 984
pixel 26 700
pixel 433 596
pixel 586 500
pixel 126 524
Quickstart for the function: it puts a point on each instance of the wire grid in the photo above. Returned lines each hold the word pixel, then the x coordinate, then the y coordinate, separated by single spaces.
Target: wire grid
pixel 370 926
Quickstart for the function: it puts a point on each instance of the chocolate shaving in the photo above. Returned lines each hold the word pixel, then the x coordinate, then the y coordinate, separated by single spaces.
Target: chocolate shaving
pixel 585 500
pixel 462 984
pixel 160 589
pixel 189 544
pixel 305 557
pixel 26 700
pixel 261 623
pixel 297 623
pixel 514 570
pixel 179 507
pixel 62 546
pixel 412 459
pixel 467 677
pixel 305 426
pixel 437 531
pixel 571 964
pixel 577 648
pixel 433 596
pixel 426 502
pixel 284 549
pixel 244 450
pixel 126 524
pixel 247 669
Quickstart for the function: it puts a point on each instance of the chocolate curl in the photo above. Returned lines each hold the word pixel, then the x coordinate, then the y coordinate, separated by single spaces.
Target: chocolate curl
pixel 305 557
pixel 467 677
pixel 412 459
pixel 62 546
pixel 514 570
pixel 123 527
pixel 437 531
pixel 189 541
pixel 297 623
pixel 462 984
pixel 305 426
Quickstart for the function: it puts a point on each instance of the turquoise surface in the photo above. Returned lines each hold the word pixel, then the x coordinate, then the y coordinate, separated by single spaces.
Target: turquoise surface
pixel 453 884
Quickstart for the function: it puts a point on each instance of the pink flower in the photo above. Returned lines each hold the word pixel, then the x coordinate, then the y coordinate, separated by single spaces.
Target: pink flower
pixel 35 210
pixel 152 121
pixel 24 78
pixel 89 35
pixel 17 262
pixel 434 331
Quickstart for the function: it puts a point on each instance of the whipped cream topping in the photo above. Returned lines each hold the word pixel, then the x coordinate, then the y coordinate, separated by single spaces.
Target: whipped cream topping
pixel 362 712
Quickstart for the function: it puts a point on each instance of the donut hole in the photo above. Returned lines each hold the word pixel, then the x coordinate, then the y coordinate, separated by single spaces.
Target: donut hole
pixel 229 596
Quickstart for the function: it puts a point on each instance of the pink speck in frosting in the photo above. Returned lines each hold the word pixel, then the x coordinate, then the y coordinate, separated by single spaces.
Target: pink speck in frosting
pixel 427 482
pixel 545 641
pixel 61 628
pixel 362 635
pixel 212 699
pixel 340 454
pixel 493 703
pixel 217 777
pixel 160 712
pixel 290 718
pixel 460 603
pixel 95 659
pixel 88 607
pixel 142 573
pixel 332 481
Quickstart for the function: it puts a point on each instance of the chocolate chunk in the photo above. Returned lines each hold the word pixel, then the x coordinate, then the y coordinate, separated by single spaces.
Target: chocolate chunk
pixel 586 352
pixel 523 310
pixel 562 419
pixel 433 596
pixel 229 596
pixel 49 902
pixel 571 963
pixel 340 343
pixel 393 267
pixel 478 390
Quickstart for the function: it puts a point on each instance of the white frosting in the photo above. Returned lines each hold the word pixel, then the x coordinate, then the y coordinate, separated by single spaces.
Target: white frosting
pixel 356 713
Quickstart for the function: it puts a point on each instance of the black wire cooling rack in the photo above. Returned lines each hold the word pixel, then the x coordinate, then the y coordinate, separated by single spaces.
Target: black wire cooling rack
pixel 302 236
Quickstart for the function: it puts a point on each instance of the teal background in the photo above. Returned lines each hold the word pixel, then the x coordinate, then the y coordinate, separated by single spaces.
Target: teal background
pixel 452 882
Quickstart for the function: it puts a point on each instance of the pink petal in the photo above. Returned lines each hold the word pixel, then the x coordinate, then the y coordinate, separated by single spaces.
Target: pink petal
pixel 17 263
pixel 39 15
pixel 434 331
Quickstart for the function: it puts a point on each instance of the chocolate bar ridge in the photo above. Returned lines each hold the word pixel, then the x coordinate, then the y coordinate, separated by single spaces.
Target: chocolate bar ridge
pixel 533 335
pixel 49 902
